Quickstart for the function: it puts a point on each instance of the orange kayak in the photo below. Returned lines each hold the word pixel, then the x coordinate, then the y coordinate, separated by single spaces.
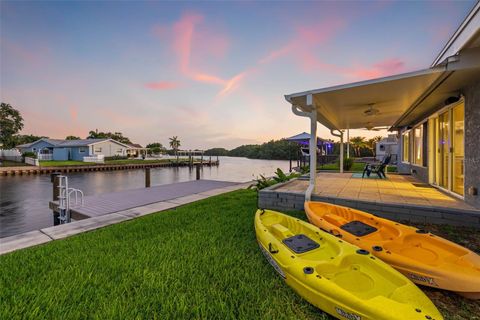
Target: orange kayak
pixel 423 257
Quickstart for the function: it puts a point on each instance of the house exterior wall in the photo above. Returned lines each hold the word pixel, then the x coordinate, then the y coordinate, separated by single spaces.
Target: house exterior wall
pixel 60 154
pixel 77 153
pixel 472 134
pixel 472 154
pixel 109 149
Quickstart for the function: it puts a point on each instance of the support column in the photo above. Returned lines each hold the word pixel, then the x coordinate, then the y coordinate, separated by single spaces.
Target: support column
pixel 341 151
pixel 312 147
pixel 348 143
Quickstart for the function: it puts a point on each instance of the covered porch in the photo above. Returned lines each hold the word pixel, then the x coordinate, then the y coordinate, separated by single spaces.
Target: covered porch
pixel 384 103
pixel 399 197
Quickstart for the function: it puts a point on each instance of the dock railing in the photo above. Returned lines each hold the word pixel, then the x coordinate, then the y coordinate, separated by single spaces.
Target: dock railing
pixel 99 158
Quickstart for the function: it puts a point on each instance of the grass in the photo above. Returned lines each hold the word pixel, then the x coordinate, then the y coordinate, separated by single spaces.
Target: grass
pixel 8 163
pixel 57 163
pixel 200 261
pixel 356 167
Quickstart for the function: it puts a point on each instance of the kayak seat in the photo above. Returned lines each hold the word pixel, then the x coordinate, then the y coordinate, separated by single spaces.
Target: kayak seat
pixel 335 219
pixel 280 231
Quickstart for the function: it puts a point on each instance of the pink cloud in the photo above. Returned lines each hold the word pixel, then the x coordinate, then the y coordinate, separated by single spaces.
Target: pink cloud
pixel 161 85
pixel 193 43
pixel 305 40
pixel 379 69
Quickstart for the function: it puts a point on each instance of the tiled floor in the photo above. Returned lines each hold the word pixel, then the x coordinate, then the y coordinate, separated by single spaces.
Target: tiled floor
pixel 396 189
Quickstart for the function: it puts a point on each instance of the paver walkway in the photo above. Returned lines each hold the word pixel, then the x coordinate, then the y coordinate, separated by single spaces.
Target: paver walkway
pixel 398 189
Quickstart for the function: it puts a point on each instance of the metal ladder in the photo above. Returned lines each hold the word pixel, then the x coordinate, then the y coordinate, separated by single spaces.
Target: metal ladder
pixel 64 199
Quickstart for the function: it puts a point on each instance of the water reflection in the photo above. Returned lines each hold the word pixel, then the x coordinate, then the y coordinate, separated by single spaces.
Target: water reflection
pixel 24 199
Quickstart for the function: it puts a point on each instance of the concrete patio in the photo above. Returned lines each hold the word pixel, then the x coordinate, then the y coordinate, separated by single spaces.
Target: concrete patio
pixel 399 197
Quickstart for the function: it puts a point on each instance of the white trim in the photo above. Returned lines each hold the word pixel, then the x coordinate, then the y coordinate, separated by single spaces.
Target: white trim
pixel 461 37
pixel 451 193
pixel 112 140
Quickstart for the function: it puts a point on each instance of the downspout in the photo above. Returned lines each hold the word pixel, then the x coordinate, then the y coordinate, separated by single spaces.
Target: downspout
pixel 312 145
pixel 340 135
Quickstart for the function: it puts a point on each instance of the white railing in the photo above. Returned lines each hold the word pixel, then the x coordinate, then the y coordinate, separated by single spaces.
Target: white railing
pixel 65 199
pixel 45 156
pixel 99 158
pixel 11 155
pixel 32 161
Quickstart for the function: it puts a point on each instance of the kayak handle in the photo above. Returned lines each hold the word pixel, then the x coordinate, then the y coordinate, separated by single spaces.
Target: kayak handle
pixel 270 248
pixel 336 233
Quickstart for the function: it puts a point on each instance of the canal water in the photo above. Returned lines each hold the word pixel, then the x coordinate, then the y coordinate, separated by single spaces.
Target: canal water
pixel 24 199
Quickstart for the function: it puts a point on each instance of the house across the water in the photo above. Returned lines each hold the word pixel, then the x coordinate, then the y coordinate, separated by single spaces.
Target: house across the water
pixel 64 150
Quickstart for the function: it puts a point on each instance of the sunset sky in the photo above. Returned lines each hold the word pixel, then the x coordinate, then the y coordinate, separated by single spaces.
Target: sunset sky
pixel 212 73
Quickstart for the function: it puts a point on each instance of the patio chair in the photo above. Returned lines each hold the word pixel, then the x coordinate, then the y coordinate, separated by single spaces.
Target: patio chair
pixel 378 169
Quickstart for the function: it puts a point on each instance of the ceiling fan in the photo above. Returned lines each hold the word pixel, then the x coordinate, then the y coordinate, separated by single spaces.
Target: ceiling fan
pixel 371 111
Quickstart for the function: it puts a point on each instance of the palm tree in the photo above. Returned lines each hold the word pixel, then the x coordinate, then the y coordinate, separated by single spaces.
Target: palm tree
pixel 372 145
pixel 357 144
pixel 175 144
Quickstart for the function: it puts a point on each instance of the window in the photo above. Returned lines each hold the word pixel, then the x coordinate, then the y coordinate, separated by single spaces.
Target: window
pixel 418 145
pixel 98 149
pixel 119 151
pixel 405 146
pixel 82 150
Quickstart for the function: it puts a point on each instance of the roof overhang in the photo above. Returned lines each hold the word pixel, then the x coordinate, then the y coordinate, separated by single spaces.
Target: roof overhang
pixel 466 36
pixel 389 101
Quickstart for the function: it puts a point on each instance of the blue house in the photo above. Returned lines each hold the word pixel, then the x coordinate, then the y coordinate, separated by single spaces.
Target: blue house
pixel 63 150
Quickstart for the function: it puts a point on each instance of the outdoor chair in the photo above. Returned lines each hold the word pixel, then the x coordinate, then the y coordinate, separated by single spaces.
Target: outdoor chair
pixel 378 169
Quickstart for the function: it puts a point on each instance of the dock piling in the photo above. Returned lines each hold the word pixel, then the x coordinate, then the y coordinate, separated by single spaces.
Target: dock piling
pixel 56 193
pixel 197 166
pixel 147 177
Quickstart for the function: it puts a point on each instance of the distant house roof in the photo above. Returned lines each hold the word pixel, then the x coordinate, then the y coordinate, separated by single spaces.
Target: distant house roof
pixel 71 143
pixel 53 142
pixel 304 137
pixel 80 142
pixel 135 146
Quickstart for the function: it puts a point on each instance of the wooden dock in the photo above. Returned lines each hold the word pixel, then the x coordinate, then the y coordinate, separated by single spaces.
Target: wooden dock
pixel 102 204
pixel 27 170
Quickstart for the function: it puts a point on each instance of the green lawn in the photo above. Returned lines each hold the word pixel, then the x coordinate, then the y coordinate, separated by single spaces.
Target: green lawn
pixel 7 163
pixel 356 167
pixel 199 261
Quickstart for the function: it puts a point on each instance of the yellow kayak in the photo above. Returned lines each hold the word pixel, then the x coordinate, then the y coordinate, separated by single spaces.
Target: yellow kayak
pixel 424 258
pixel 335 276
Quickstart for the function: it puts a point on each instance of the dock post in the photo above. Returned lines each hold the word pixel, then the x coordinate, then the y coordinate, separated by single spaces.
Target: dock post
pixel 210 161
pixel 217 161
pixel 56 193
pixel 147 177
pixel 197 166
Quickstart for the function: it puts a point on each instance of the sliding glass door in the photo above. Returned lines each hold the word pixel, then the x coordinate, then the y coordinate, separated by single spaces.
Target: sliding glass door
pixel 443 149
pixel 448 142
pixel 458 152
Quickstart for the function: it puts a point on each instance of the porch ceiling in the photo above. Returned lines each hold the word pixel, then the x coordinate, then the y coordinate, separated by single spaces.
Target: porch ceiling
pixel 367 104
pixel 391 101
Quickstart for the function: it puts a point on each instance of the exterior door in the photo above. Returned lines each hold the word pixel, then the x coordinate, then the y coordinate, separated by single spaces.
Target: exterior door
pixel 443 149
pixel 458 148
pixel 449 143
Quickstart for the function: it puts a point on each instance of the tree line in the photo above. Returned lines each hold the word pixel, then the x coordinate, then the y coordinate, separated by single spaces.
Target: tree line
pixel 11 123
